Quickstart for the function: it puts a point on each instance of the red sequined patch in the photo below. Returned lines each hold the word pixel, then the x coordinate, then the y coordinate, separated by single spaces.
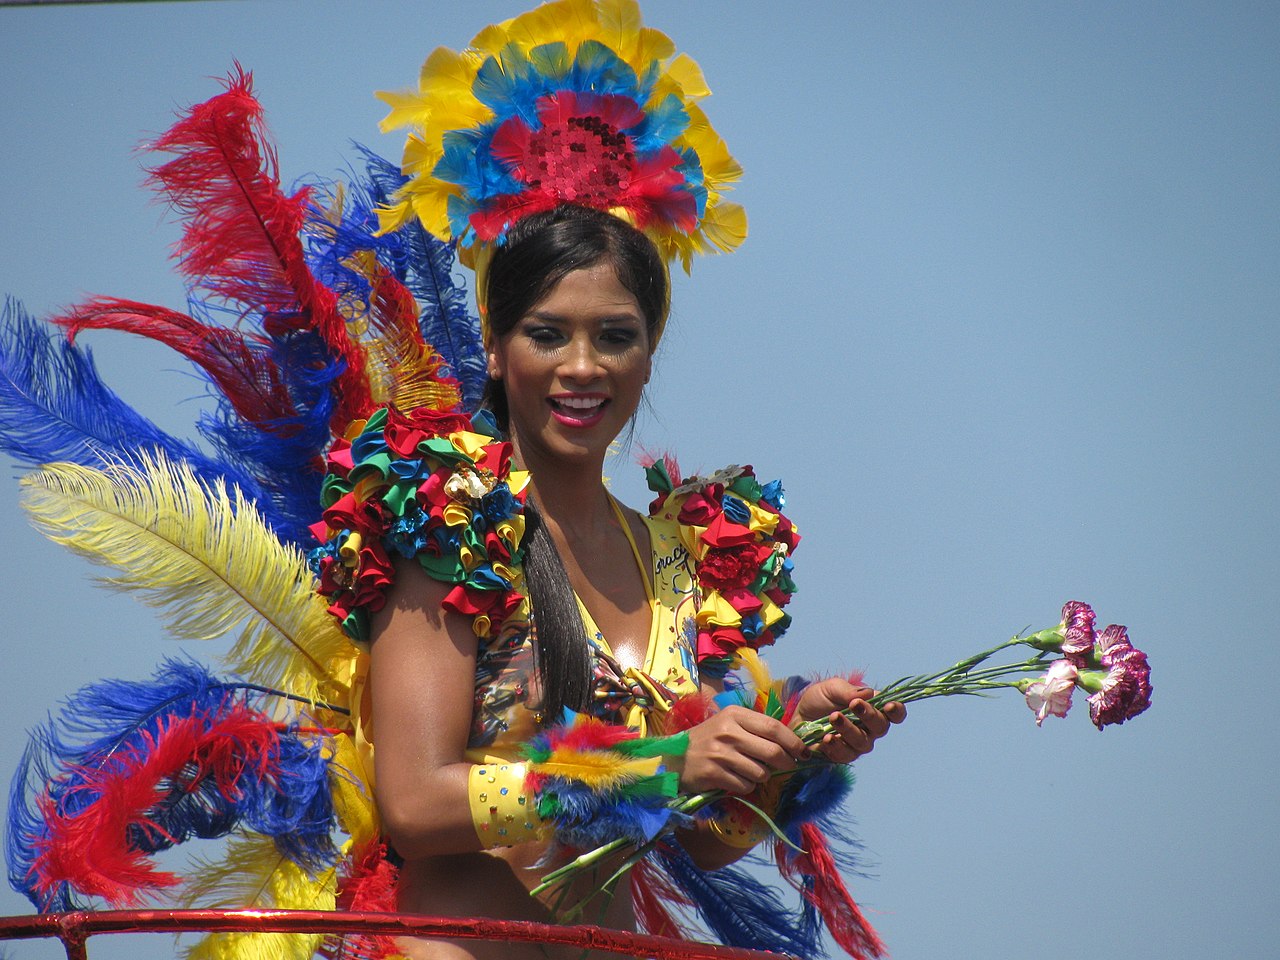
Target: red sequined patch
pixel 583 160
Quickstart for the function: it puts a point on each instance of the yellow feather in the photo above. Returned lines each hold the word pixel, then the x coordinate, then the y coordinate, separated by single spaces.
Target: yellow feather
pixel 598 770
pixel 255 875
pixel 402 370
pixel 688 77
pixel 352 800
pixel 756 668
pixel 202 556
pixel 725 226
pixel 620 25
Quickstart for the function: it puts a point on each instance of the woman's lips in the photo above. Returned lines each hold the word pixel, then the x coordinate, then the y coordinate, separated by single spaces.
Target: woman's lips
pixel 578 409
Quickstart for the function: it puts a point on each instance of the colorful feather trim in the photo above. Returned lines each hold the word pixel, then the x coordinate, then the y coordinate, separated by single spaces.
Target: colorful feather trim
pixel 598 782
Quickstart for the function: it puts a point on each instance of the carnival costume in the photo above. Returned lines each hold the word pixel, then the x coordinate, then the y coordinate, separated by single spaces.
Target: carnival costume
pixel 351 378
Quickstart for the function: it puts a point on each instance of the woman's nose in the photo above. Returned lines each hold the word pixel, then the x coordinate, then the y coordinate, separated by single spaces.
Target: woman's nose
pixel 582 361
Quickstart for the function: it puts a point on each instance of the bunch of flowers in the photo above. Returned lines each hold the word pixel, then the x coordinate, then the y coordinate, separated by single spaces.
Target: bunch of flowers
pixel 438 487
pixel 1113 672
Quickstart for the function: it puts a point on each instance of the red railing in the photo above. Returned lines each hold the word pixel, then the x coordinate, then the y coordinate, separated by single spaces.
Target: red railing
pixel 74 930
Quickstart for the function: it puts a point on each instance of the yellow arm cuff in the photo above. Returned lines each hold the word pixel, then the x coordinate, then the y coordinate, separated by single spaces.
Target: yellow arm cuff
pixel 502 812
pixel 739 826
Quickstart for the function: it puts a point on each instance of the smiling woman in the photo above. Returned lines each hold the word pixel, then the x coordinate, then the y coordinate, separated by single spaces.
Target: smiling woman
pixel 576 301
pixel 539 668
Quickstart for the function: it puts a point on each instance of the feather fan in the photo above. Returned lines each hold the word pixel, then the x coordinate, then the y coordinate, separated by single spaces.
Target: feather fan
pixel 255 875
pixel 203 557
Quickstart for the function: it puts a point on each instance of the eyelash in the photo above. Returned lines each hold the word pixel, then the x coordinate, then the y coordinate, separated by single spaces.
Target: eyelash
pixel 550 337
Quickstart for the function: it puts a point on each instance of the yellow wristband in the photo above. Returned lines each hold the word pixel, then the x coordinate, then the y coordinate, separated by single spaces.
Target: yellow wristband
pixel 740 826
pixel 503 814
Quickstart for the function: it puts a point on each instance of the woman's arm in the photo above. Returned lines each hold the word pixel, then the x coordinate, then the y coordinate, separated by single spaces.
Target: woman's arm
pixel 421 685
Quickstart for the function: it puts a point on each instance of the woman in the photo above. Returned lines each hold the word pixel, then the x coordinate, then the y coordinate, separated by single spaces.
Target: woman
pixel 576 299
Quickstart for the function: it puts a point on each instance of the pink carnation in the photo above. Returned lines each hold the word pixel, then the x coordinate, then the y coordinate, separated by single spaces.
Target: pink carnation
pixel 1051 694
pixel 1077 630
pixel 1126 689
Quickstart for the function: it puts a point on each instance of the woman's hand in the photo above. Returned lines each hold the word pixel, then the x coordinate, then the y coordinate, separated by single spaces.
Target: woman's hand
pixel 827 698
pixel 736 750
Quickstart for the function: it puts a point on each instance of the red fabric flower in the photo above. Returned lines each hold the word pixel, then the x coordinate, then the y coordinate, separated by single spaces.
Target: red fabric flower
pixel 497 605
pixel 338 460
pixel 702 506
pixel 716 641
pixel 348 513
pixel 723 532
pixel 404 431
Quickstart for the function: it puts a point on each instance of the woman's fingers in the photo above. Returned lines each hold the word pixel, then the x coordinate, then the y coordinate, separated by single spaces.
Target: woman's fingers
pixel 737 749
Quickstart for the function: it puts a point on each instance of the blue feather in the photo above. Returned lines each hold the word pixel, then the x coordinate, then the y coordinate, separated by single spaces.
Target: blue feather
pixel 55 407
pixel 295 807
pixel 662 124
pixel 739 910
pixel 109 724
pixel 24 828
pixel 419 260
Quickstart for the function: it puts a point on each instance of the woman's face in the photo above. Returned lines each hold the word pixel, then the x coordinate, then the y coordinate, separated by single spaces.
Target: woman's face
pixel 574 367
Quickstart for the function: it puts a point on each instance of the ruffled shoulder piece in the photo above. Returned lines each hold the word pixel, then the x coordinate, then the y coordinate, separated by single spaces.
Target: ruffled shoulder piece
pixel 741 545
pixel 436 487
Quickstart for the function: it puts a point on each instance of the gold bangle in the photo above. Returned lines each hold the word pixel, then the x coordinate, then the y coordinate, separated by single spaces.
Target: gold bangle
pixel 502 812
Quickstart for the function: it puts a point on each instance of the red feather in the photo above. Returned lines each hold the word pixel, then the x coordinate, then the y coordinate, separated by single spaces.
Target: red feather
pixel 687 712
pixel 369 886
pixel 844 919
pixel 651 891
pixel 242 243
pixel 90 846
pixel 249 378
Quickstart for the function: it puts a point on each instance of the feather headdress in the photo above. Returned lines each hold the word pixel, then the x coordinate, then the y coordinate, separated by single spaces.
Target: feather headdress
pixel 573 102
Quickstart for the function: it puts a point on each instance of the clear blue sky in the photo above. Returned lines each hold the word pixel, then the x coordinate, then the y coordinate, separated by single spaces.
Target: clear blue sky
pixel 1006 324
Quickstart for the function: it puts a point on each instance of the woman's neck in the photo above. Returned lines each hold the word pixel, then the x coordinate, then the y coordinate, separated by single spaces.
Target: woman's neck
pixel 571 497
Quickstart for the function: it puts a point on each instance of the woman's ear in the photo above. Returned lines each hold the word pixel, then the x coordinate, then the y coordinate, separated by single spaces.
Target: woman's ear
pixel 493 362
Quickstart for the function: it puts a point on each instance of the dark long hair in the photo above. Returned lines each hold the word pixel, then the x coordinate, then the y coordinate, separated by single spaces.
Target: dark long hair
pixel 539 251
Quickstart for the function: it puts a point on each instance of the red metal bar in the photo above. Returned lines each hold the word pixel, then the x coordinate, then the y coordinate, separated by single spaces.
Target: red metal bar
pixel 74 929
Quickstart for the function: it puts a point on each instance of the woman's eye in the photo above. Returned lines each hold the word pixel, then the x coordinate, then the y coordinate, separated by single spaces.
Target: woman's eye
pixel 620 336
pixel 543 334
